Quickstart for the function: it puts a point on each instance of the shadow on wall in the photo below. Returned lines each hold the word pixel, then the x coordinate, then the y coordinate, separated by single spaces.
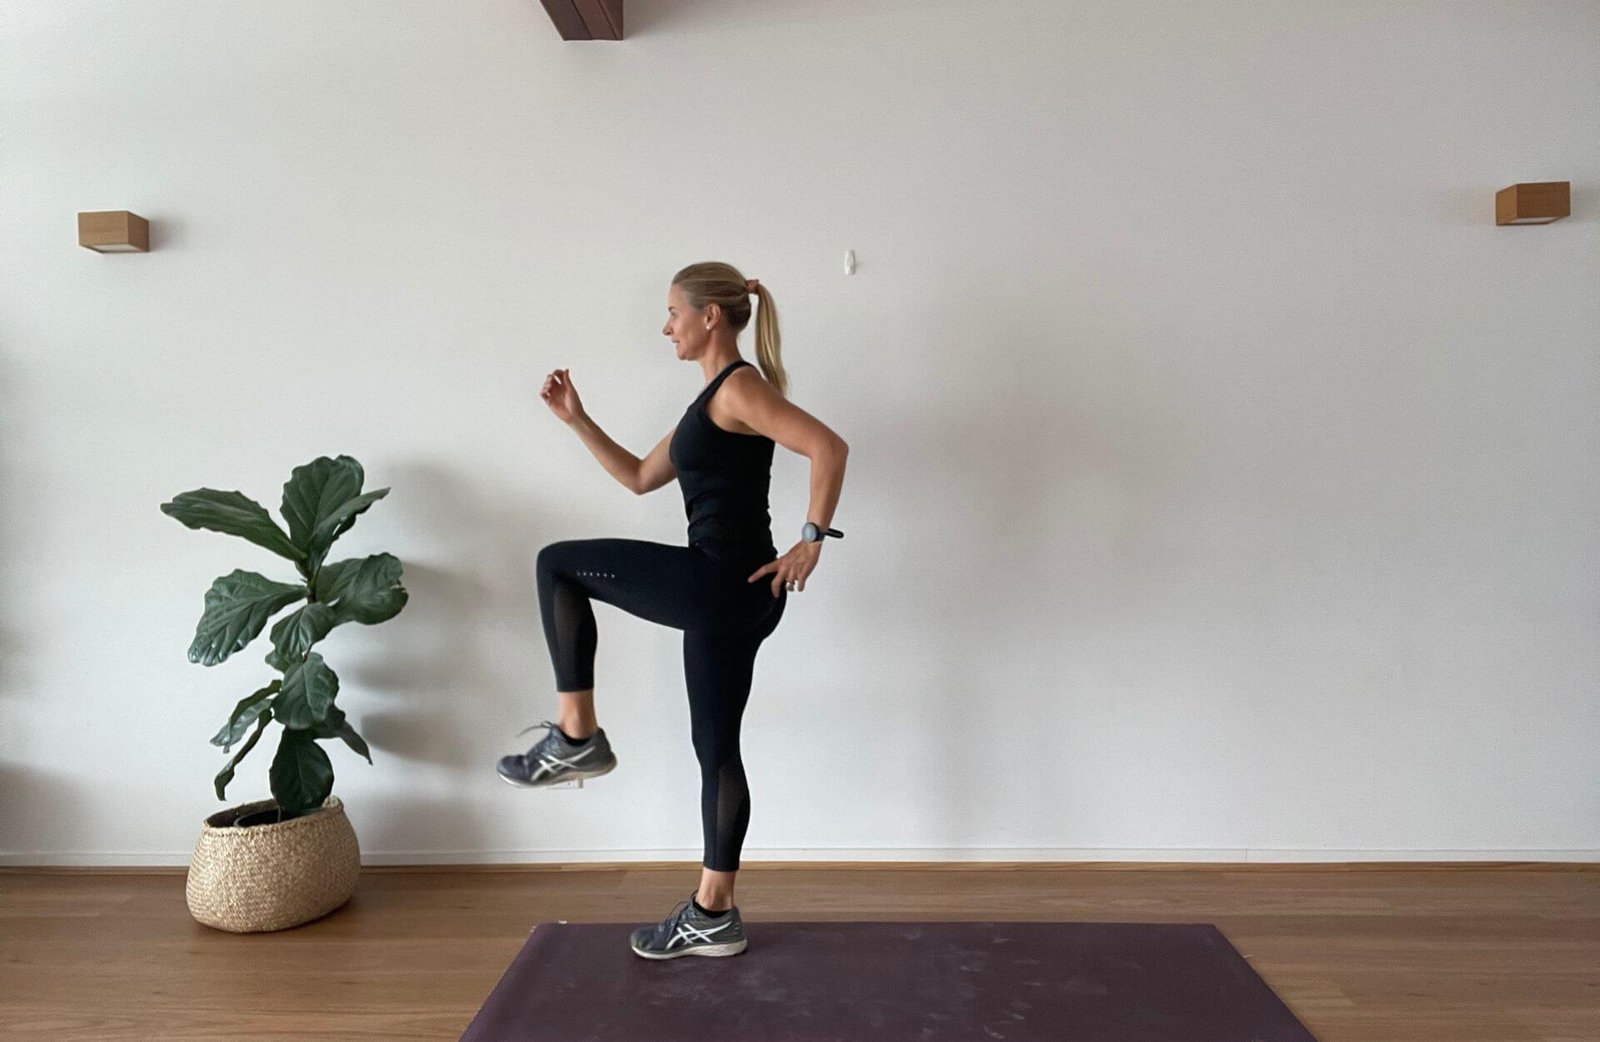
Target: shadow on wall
pixel 679 17
pixel 447 647
pixel 27 798
pixel 38 807
pixel 14 481
pixel 1007 468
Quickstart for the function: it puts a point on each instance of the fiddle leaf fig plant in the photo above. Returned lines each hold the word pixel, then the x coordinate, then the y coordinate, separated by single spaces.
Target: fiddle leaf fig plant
pixel 320 502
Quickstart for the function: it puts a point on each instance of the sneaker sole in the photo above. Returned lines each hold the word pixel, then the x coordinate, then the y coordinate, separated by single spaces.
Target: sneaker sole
pixel 556 779
pixel 714 950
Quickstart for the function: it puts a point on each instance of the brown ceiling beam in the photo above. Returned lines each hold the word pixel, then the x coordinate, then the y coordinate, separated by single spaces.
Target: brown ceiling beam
pixel 586 19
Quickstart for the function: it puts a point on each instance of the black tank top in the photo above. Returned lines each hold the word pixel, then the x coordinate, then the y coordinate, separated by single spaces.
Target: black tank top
pixel 725 477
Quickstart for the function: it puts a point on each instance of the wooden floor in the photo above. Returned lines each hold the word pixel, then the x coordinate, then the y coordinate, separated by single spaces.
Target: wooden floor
pixel 1360 954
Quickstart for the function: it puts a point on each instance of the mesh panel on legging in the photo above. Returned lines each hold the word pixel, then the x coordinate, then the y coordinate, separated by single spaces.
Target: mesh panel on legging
pixel 727 803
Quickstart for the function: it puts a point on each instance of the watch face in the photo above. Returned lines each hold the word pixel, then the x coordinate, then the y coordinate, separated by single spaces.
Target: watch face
pixel 808 532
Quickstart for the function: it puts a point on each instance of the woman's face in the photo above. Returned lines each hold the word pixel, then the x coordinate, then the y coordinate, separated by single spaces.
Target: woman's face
pixel 685 325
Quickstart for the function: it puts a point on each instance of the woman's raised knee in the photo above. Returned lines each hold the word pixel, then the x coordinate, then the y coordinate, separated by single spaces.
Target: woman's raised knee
pixel 551 554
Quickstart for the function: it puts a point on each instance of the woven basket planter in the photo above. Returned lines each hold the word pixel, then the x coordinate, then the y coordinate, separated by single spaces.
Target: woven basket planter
pixel 271 877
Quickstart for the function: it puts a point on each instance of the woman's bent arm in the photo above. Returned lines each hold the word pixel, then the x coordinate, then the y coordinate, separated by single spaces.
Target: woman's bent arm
pixel 827 478
pixel 618 461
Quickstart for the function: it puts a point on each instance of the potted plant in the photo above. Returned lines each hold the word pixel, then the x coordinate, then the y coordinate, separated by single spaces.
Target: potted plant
pixel 277 863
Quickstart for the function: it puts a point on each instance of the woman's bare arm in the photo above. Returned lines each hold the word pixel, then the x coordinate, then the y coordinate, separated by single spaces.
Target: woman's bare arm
pixel 618 461
pixel 657 469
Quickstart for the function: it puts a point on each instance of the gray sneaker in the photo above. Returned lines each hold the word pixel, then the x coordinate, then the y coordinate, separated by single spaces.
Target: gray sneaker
pixel 686 932
pixel 554 759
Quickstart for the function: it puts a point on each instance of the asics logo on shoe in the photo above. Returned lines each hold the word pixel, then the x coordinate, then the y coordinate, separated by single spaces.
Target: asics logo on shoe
pixel 687 933
pixel 548 762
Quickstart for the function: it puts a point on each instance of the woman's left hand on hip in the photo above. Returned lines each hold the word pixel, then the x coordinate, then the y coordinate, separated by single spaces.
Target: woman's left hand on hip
pixel 792 567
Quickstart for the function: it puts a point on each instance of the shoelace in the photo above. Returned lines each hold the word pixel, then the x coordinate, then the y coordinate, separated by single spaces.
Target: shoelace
pixel 542 723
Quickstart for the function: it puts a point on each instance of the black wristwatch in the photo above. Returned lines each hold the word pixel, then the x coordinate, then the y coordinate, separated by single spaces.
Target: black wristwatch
pixel 810 533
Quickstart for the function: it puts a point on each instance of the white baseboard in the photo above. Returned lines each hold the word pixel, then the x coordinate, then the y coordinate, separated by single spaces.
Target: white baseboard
pixel 823 855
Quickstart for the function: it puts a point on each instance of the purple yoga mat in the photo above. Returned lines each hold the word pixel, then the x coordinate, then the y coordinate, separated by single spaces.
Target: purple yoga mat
pixel 890 982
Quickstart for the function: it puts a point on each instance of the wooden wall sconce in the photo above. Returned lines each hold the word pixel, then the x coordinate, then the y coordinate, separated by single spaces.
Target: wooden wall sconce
pixel 586 19
pixel 114 231
pixel 1539 202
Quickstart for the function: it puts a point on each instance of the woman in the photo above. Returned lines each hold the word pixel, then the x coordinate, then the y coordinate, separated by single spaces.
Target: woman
pixel 726 589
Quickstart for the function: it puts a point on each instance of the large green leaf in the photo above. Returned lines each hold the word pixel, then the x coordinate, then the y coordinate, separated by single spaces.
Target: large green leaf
pixel 233 513
pixel 309 688
pixel 294 634
pixel 363 589
pixel 244 714
pixel 315 490
pixel 321 500
pixel 302 775
pixel 336 726
pixel 226 774
pixel 238 605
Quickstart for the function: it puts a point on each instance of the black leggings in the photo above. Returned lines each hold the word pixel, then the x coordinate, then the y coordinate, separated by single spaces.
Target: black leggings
pixel 724 619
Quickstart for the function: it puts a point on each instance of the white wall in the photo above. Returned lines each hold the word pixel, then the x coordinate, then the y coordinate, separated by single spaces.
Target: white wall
pixel 1223 481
